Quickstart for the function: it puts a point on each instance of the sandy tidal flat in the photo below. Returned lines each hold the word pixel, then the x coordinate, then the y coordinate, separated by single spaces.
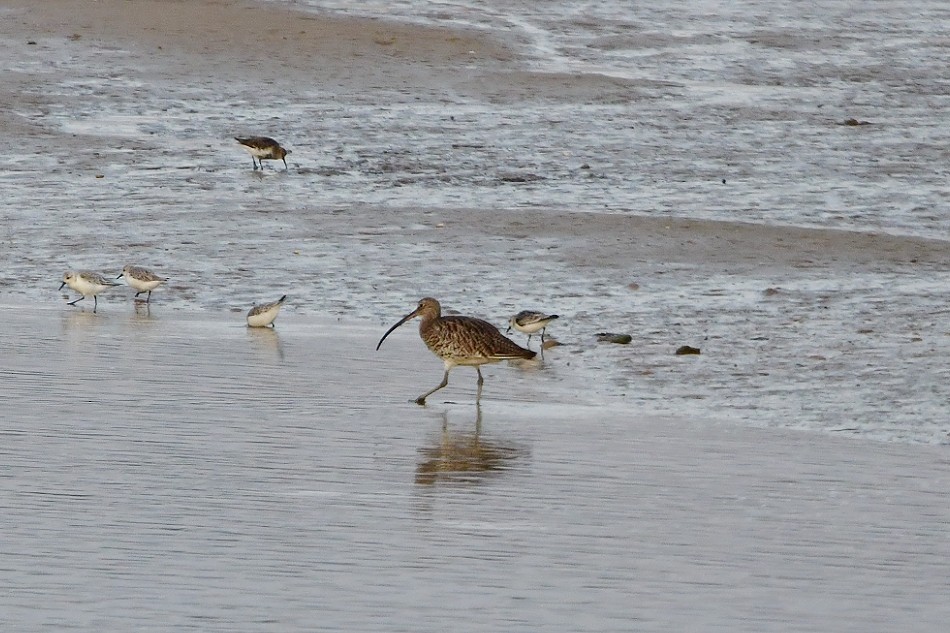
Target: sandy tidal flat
pixel 168 468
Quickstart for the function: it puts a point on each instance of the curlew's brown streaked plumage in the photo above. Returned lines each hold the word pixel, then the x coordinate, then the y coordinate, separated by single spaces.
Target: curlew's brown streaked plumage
pixel 263 148
pixel 460 340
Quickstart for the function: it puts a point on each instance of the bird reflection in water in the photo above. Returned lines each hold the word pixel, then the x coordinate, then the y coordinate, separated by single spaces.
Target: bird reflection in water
pixel 81 319
pixel 141 319
pixel 142 311
pixel 465 456
pixel 267 341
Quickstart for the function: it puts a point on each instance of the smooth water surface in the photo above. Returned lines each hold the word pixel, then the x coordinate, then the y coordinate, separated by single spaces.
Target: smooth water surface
pixel 163 472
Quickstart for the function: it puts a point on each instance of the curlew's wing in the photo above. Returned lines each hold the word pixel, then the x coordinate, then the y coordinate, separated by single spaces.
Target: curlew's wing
pixel 470 338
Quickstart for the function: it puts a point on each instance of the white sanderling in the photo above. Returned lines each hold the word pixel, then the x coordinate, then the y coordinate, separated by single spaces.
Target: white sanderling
pixel 531 322
pixel 86 283
pixel 264 314
pixel 263 148
pixel 141 279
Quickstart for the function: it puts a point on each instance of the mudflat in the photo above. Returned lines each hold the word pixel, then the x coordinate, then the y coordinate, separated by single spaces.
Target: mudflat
pixel 166 467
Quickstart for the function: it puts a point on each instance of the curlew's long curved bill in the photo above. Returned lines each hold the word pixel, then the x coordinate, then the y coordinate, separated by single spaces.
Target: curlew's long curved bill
pixel 390 330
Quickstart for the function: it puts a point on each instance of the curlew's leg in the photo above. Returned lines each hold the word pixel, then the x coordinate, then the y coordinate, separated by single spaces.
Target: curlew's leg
pixel 285 164
pixel 148 297
pixel 543 330
pixel 95 303
pixel 421 400
pixel 72 303
pixel 481 381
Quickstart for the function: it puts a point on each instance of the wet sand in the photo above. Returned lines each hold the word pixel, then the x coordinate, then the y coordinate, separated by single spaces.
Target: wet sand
pixel 268 49
pixel 131 114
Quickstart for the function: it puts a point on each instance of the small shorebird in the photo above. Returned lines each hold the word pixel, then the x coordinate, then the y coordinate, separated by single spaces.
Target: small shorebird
pixel 460 340
pixel 86 283
pixel 263 148
pixel 529 322
pixel 264 314
pixel 141 279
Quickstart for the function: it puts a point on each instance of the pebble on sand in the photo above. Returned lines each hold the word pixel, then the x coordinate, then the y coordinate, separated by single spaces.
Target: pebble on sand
pixel 610 337
pixel 685 350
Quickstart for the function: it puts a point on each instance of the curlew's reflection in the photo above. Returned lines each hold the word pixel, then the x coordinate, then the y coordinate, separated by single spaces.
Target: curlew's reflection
pixel 465 456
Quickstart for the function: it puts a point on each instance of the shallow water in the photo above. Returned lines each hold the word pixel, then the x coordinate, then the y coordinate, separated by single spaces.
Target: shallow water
pixel 166 472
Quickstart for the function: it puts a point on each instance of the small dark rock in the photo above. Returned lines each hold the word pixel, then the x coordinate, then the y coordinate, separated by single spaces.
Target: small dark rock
pixel 685 350
pixel 520 178
pixel 771 292
pixel 31 43
pixel 854 122
pixel 610 337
